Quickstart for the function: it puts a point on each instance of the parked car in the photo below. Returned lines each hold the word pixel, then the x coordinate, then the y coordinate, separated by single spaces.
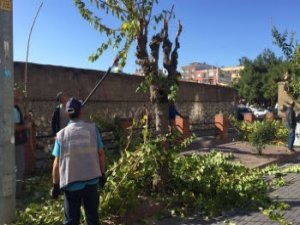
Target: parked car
pixel 260 113
pixel 241 111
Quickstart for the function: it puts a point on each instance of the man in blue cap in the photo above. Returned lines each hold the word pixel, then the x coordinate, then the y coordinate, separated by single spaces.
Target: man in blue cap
pixel 79 166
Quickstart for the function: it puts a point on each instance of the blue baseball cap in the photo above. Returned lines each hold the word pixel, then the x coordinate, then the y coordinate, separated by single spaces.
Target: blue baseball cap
pixel 73 105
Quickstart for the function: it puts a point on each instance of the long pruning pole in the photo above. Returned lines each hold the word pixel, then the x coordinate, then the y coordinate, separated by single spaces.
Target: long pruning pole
pixel 100 81
pixel 27 50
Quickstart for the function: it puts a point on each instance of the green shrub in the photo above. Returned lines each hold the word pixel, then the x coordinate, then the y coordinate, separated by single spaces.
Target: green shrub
pixel 261 133
pixel 281 132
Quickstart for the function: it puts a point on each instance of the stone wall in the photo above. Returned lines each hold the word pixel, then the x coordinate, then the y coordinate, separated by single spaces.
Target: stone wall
pixel 116 95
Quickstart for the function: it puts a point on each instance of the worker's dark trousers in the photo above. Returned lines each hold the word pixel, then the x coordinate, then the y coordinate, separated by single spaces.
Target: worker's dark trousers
pixel 291 138
pixel 72 202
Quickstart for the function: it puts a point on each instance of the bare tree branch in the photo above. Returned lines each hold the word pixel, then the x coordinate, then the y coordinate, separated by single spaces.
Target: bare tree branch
pixel 167 46
pixel 154 46
pixel 171 12
pixel 141 48
pixel 174 55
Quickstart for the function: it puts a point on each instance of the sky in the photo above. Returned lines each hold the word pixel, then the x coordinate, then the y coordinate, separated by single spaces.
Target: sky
pixel 218 32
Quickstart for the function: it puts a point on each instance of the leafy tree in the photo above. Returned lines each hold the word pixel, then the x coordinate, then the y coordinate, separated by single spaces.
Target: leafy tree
pixel 134 19
pixel 287 46
pixel 291 49
pixel 258 83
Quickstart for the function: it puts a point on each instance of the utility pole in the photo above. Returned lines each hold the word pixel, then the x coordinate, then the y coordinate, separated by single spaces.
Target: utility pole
pixel 7 149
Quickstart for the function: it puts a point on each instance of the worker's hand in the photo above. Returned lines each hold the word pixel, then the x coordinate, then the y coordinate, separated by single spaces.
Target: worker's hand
pixel 55 191
pixel 102 180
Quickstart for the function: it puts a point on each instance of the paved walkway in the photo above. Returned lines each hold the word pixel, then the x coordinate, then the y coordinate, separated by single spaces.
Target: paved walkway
pixel 289 194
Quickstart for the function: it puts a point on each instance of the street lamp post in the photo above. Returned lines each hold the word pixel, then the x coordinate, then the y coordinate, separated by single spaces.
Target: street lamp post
pixel 7 151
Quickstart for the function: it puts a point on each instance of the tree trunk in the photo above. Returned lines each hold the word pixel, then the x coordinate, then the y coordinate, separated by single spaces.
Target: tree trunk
pixel 162 117
pixel 159 99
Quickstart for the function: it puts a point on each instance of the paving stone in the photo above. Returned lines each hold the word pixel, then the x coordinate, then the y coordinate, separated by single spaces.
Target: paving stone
pixel 254 223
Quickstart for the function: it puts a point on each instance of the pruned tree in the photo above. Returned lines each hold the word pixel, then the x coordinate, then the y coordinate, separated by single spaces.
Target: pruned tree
pixel 134 20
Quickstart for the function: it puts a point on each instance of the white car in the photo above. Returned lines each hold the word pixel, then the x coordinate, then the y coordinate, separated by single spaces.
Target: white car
pixel 260 113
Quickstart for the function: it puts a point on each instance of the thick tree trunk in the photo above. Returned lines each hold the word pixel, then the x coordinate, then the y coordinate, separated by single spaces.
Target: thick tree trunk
pixel 162 117
pixel 162 127
pixel 159 99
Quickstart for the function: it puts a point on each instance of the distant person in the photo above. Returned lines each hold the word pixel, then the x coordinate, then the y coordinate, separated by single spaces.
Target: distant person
pixel 291 124
pixel 60 118
pixel 21 137
pixel 78 167
pixel 172 114
pixel 276 108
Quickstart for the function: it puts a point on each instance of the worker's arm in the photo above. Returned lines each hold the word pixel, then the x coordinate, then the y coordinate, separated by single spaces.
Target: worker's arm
pixel 55 167
pixel 55 171
pixel 101 155
pixel 55 191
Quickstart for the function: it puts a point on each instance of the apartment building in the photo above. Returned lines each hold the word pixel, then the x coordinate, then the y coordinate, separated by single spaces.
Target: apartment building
pixel 205 73
pixel 188 72
pixel 234 71
pixel 208 74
